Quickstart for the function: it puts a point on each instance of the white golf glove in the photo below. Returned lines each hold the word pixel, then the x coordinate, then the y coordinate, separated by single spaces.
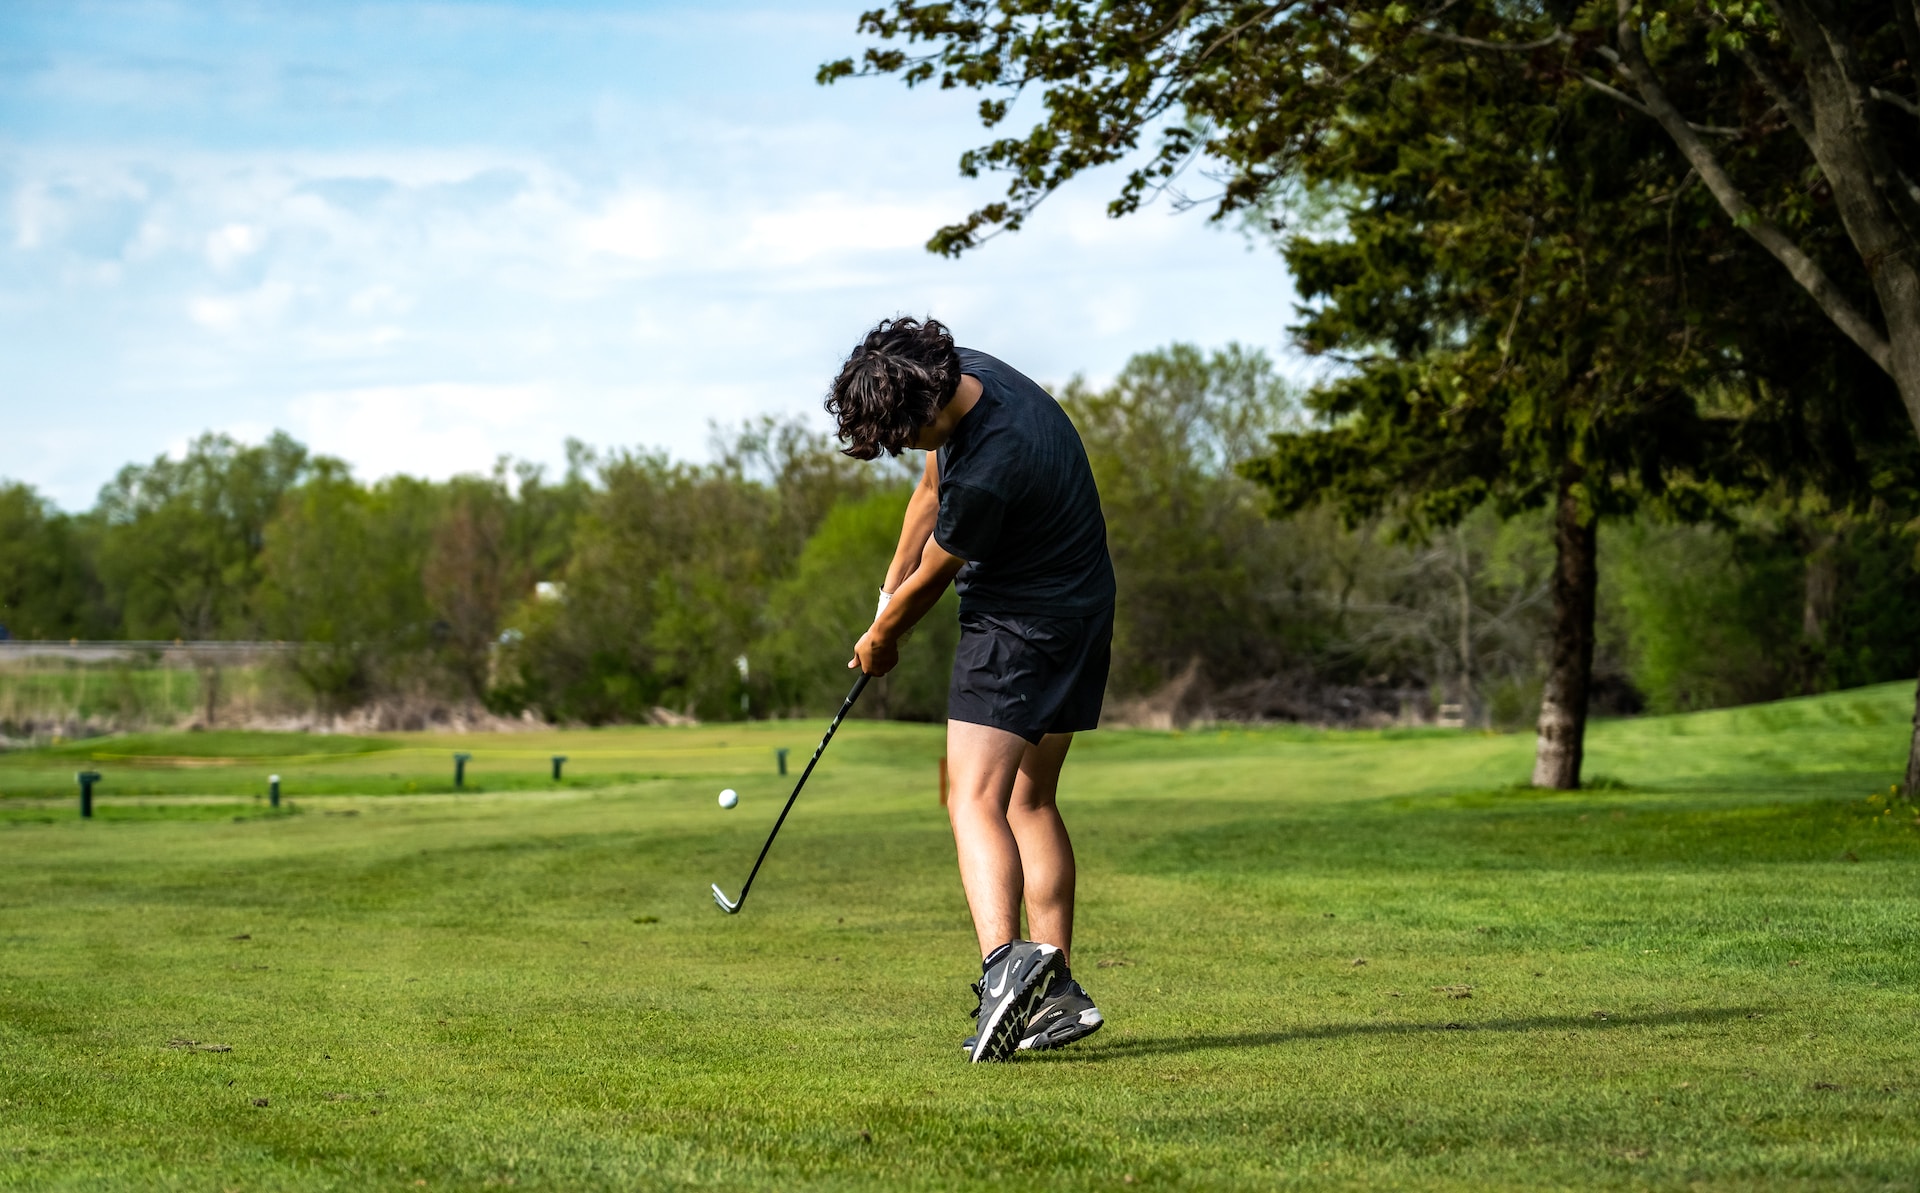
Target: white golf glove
pixel 885 598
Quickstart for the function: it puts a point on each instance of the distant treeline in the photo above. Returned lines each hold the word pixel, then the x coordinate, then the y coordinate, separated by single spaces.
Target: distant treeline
pixel 635 585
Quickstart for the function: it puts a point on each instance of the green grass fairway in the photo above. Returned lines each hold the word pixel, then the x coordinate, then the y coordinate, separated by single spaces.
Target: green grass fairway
pixel 1328 960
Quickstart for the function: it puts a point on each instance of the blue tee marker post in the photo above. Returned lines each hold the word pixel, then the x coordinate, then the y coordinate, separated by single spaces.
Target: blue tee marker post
pixel 86 779
pixel 460 770
pixel 273 790
pixel 780 755
pixel 559 760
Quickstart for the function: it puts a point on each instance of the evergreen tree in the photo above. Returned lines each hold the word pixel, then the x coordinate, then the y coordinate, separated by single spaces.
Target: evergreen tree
pixel 1511 312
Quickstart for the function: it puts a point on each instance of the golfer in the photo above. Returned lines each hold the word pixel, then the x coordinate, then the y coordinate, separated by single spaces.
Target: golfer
pixel 1007 512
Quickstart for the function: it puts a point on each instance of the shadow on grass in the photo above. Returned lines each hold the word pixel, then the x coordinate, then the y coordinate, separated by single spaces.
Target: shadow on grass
pixel 1098 1050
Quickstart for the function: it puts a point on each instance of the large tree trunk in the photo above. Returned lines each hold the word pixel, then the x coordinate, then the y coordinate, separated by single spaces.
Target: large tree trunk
pixel 1563 703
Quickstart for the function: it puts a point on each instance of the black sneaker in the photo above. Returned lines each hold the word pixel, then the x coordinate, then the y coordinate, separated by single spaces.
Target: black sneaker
pixel 1012 988
pixel 1064 1016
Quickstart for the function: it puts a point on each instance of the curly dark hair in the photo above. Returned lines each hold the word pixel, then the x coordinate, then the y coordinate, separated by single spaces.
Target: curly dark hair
pixel 893 383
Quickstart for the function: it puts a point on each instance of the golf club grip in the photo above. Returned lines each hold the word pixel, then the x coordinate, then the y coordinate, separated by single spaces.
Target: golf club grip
pixel 859 685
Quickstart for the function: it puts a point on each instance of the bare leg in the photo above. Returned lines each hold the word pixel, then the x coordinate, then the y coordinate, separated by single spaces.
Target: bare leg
pixel 1046 855
pixel 982 765
pixel 1008 833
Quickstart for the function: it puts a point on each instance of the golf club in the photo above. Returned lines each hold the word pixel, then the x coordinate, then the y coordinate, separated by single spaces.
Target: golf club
pixel 732 906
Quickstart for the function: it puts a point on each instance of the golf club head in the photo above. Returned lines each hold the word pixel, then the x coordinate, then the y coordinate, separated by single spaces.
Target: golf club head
pixel 727 905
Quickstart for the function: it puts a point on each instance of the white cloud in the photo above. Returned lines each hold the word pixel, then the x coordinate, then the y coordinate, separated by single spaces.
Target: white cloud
pixel 435 429
pixel 92 214
pixel 823 228
pixel 231 243
pixel 630 268
pixel 33 215
pixel 316 290
pixel 636 225
pixel 379 299
pixel 798 229
pixel 249 310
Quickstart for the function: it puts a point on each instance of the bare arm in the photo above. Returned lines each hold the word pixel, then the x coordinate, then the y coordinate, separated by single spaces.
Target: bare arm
pixel 878 650
pixel 916 530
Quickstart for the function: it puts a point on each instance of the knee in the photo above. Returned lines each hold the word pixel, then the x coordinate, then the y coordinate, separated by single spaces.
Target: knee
pixel 1032 803
pixel 969 799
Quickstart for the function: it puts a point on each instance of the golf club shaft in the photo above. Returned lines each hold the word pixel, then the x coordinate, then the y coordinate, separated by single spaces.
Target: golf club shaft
pixel 859 685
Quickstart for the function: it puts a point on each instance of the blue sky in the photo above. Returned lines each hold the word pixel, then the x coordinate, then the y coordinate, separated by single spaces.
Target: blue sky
pixel 419 236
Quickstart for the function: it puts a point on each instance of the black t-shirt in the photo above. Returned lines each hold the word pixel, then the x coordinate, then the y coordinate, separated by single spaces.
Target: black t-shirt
pixel 1018 503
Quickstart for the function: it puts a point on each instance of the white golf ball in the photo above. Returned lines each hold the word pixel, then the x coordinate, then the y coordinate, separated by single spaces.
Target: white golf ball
pixel 729 797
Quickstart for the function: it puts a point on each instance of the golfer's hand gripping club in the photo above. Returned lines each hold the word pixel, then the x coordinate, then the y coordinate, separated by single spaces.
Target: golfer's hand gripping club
pixel 878 650
pixel 732 906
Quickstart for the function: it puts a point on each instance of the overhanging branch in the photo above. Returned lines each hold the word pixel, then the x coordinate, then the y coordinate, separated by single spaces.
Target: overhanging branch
pixel 1899 101
pixel 1717 130
pixel 1803 268
pixel 1615 93
pixel 1557 37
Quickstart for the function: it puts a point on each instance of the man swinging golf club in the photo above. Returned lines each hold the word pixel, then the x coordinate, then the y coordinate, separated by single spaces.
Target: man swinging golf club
pixel 1007 512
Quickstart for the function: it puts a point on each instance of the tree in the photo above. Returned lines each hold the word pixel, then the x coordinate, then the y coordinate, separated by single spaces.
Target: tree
pixel 814 613
pixel 48 587
pixel 1472 286
pixel 1740 614
pixel 469 575
pixel 1830 76
pixel 181 539
pixel 341 576
pixel 542 515
pixel 1516 335
pixel 807 471
pixel 493 538
pixel 1200 568
pixel 670 568
pixel 1219 81
pixel 1839 84
pixel 1259 91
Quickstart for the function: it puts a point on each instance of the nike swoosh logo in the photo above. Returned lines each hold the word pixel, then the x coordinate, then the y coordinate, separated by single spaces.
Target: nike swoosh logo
pixel 1002 983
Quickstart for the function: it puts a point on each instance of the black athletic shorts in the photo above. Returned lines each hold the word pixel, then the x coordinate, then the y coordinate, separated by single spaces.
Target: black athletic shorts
pixel 1031 675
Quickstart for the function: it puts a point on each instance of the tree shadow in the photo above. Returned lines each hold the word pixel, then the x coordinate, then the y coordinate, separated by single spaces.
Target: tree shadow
pixel 1098 1049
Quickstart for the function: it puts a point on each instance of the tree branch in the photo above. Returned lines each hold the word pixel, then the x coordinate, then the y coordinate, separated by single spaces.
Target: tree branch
pixel 1899 101
pixel 1237 30
pixel 1804 269
pixel 1557 37
pixel 1906 14
pixel 1772 85
pixel 1913 189
pixel 1615 93
pixel 1886 172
